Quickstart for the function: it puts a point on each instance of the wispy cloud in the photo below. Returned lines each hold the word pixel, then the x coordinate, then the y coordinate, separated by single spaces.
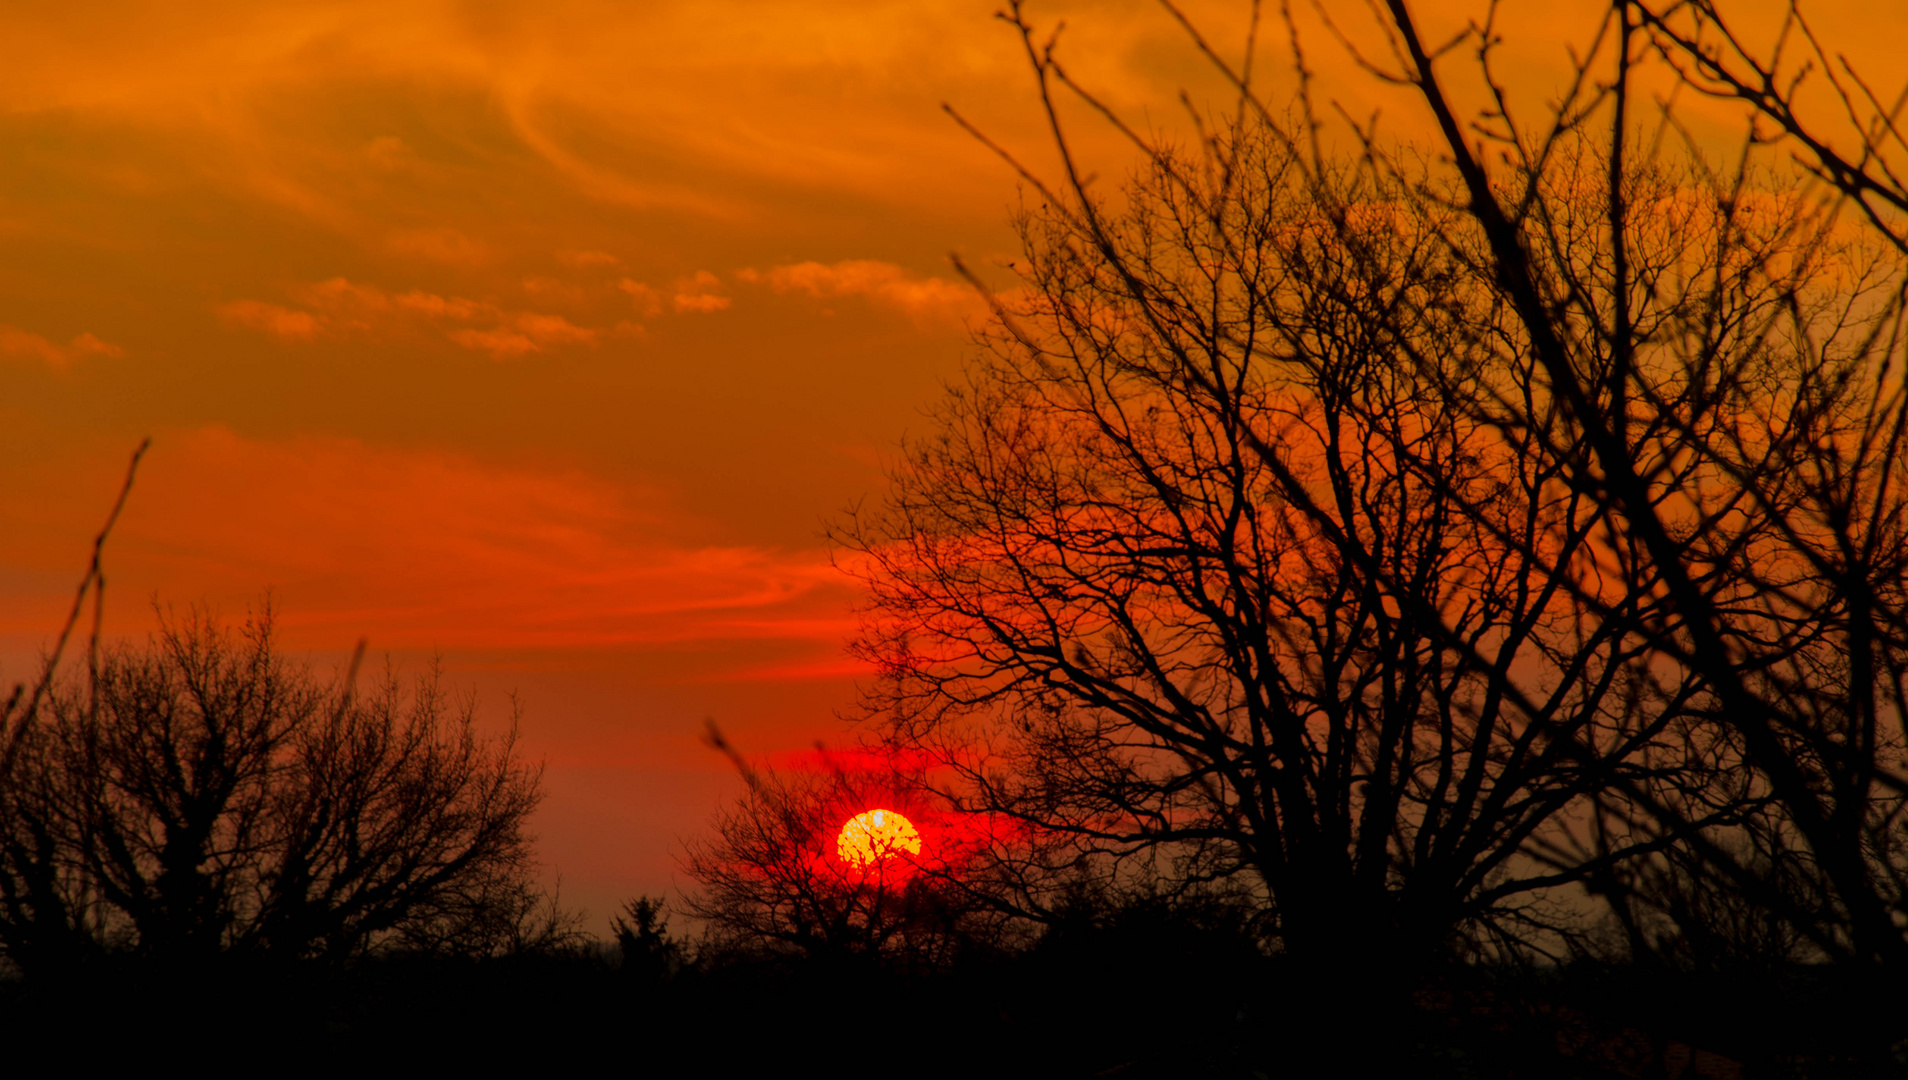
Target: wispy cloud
pixel 927 300
pixel 455 307
pixel 443 245
pixel 697 294
pixel 274 319
pixel 501 343
pixel 528 333
pixel 339 306
pixel 555 329
pixel 585 260
pixel 648 300
pixel 24 343
pixel 422 549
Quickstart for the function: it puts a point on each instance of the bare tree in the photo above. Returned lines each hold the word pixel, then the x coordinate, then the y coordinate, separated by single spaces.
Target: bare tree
pixel 1854 146
pixel 1748 458
pixel 22 705
pixel 1176 543
pixel 1851 722
pixel 772 881
pixel 202 796
pixel 1410 536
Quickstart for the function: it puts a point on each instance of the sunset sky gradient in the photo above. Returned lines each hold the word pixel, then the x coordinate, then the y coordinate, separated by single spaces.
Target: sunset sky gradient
pixel 542 337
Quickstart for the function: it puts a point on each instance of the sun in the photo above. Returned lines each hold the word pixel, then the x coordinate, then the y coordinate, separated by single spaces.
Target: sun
pixel 875 836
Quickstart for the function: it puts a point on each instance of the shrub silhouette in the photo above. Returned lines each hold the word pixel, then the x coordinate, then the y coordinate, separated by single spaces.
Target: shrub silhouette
pixel 201 796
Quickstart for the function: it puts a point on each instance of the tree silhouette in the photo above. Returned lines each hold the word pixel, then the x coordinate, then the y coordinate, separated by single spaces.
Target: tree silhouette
pixel 1409 535
pixel 648 954
pixel 1749 457
pixel 772 883
pixel 203 797
pixel 1711 55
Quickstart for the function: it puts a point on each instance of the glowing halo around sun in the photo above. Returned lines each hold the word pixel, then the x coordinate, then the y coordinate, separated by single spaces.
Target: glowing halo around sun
pixel 875 836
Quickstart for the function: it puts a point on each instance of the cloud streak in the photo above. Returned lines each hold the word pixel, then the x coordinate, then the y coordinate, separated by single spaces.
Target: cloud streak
pixel 697 294
pixel 339 307
pixel 528 333
pixel 25 344
pixel 425 549
pixel 927 300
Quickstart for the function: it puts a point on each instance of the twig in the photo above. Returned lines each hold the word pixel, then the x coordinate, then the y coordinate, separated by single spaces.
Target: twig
pixel 94 580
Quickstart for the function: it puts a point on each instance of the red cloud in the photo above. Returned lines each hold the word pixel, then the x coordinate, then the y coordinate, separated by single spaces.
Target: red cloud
pixel 429 549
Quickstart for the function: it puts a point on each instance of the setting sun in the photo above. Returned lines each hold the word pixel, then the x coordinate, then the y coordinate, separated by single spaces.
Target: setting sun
pixel 876 835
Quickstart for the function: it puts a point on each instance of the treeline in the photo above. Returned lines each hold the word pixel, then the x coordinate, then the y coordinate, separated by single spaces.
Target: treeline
pixel 211 851
pixel 1150 989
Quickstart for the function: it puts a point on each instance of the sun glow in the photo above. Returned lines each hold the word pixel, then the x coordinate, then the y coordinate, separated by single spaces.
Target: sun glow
pixel 876 835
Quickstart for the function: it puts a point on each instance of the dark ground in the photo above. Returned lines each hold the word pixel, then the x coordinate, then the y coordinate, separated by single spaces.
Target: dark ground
pixel 1132 1001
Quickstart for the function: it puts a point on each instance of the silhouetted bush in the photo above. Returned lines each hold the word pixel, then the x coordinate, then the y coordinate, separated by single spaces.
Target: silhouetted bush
pixel 771 883
pixel 202 801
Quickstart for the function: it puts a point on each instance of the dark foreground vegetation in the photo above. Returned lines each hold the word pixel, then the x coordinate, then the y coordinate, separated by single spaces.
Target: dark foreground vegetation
pixel 1142 993
pixel 212 855
pixel 1368 608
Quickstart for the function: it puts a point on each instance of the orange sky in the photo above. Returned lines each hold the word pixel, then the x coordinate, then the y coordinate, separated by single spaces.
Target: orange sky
pixel 543 335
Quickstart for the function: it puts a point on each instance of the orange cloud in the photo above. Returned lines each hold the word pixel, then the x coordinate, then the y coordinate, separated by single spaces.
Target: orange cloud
pixel 648 300
pixel 87 343
pixel 443 245
pixel 554 329
pixel 549 288
pixel 388 152
pixel 501 344
pixel 696 294
pixel 340 294
pixel 584 260
pixel 455 307
pixel 17 342
pixel 355 301
pixel 700 303
pixel 925 299
pixel 339 304
pixel 276 320
pixel 528 334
